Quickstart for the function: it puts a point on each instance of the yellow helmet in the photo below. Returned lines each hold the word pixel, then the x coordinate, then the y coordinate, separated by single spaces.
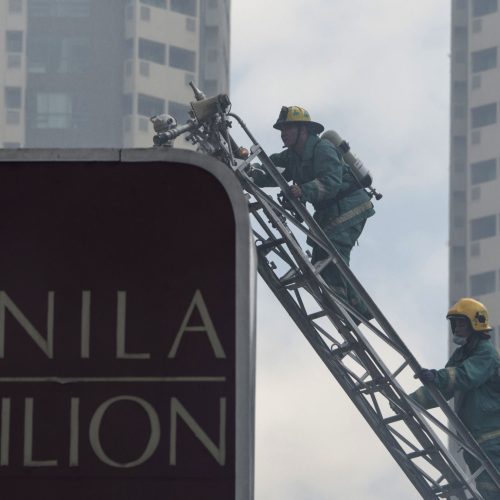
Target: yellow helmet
pixel 297 115
pixel 474 311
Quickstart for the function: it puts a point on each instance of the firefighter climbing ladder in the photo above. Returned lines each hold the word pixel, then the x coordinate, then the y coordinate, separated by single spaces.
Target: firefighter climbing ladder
pixel 349 346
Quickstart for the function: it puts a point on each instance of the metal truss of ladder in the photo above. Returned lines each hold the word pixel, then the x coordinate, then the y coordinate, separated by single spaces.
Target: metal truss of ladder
pixel 352 353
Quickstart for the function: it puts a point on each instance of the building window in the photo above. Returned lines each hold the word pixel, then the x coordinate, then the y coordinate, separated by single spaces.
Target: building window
pixel 482 283
pixel 484 115
pixel 54 54
pixel 162 4
pixel 12 96
pixel 11 145
pixel 182 58
pixel 187 7
pixel 75 55
pixel 15 6
pixel 483 60
pixel 484 7
pixel 60 8
pixel 53 110
pixel 483 171
pixel 14 41
pixel 483 227
pixel 179 111
pixel 152 51
pixel 150 106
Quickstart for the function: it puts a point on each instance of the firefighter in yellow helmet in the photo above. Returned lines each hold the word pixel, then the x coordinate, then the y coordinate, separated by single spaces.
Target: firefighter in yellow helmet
pixel 321 177
pixel 472 377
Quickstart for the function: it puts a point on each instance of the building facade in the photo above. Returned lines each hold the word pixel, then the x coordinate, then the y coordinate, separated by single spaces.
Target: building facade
pixel 474 258
pixel 88 73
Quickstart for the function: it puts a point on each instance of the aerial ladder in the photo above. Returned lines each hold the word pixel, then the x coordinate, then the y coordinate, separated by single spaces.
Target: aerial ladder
pixel 350 346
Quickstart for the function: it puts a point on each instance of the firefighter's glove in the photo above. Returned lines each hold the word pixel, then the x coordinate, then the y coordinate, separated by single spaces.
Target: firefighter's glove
pixel 426 376
pixel 295 191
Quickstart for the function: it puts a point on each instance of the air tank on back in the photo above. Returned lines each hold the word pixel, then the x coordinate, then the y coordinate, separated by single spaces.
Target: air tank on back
pixel 360 172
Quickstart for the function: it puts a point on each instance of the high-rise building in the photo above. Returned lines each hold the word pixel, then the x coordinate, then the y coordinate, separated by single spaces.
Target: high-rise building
pixel 474 155
pixel 90 73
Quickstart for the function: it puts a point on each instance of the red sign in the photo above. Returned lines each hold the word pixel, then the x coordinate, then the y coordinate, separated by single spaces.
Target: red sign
pixel 118 332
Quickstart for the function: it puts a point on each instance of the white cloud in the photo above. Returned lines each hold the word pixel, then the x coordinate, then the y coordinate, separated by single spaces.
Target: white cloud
pixel 377 72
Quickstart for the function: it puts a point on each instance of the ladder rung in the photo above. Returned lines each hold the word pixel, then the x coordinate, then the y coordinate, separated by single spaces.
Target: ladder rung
pixel 422 453
pixel 266 245
pixel 395 418
pixel 316 315
pixel 342 350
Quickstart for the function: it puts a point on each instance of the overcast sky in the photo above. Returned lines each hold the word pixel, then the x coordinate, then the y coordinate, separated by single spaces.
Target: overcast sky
pixel 377 71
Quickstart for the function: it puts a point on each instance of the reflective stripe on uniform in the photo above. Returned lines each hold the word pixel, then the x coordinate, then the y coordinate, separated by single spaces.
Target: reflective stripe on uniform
pixel 488 435
pixel 420 396
pixel 322 189
pixel 452 375
pixel 350 214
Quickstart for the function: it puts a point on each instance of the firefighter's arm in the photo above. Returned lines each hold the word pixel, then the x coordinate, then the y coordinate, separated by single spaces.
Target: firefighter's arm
pixel 263 179
pixel 424 398
pixel 441 379
pixel 472 372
